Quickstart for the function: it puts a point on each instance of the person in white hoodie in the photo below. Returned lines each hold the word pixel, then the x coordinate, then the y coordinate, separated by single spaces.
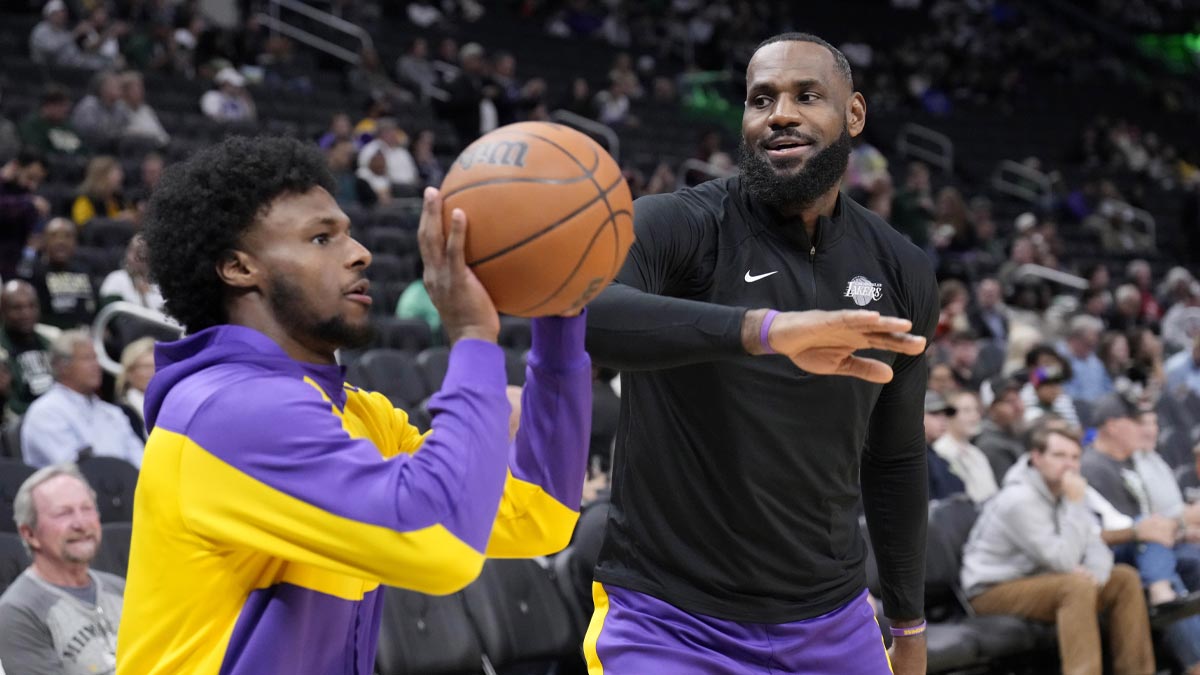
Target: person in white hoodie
pixel 1036 552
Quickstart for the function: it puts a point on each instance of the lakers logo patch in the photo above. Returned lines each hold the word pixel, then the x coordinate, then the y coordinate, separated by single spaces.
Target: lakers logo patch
pixel 863 291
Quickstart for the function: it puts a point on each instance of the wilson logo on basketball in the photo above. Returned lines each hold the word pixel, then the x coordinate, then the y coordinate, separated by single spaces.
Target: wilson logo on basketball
pixel 500 153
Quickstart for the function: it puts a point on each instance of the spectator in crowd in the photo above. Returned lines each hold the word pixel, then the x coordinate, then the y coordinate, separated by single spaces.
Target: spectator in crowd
pixel 21 208
pixel 27 351
pixel 137 367
pixel 1114 353
pixel 966 461
pixel 370 78
pixel 132 282
pixel 102 117
pixel 1188 476
pixel 1035 552
pixel 101 36
pixel 229 101
pixel 375 176
pixel 1139 274
pixel 1164 495
pixel 1127 309
pixel 415 71
pixel 48 128
pixel 143 120
pixel 1181 323
pixel 953 298
pixel 468 107
pixel 392 142
pixel 60 616
pixel 912 204
pixel 10 139
pixel 53 42
pixel 963 349
pixel 942 480
pixel 149 172
pixel 1002 434
pixel 579 99
pixel 1046 371
pixel 428 166
pixel 414 303
pixel 1089 379
pixel 1152 542
pixel 941 379
pixel 989 316
pixel 70 421
pixel 63 283
pixel 1183 369
pixel 340 129
pixel 101 194
pixel 349 188
pixel 613 106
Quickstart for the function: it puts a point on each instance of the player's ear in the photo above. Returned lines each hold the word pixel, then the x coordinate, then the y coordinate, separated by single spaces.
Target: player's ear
pixel 238 269
pixel 856 113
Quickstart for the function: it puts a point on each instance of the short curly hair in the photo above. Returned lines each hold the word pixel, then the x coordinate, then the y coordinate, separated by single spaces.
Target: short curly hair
pixel 202 207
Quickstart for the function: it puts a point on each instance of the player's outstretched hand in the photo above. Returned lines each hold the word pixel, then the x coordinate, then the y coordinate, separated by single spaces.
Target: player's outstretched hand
pixel 824 343
pixel 463 303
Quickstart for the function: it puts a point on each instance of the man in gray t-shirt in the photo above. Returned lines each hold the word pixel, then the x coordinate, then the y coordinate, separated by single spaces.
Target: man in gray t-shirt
pixel 60 617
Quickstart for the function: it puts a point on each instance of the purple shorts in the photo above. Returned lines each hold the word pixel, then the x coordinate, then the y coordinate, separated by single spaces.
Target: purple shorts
pixel 635 634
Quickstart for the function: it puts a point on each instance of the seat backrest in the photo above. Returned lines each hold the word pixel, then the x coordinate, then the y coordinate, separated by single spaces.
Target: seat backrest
pixel 12 473
pixel 113 556
pixel 411 335
pixel 434 362
pixel 519 614
pixel 13 558
pixel 515 333
pixel 426 635
pixel 514 366
pixel 391 372
pixel 562 568
pixel 114 481
pixel 950 522
pixel 10 441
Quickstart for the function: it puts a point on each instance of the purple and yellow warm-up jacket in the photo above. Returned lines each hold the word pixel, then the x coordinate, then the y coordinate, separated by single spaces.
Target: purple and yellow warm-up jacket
pixel 274 499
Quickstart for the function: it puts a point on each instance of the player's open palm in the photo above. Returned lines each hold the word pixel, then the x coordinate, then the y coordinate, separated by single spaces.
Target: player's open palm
pixel 824 343
pixel 461 300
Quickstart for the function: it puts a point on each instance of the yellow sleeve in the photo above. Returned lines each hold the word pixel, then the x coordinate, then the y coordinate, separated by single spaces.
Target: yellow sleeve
pixel 82 210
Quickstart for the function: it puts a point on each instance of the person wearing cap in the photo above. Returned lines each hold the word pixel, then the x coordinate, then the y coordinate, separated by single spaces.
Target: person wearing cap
pixel 1035 552
pixel 48 128
pixel 942 481
pixel 1001 435
pixel 1045 372
pixel 1151 543
pixel 54 43
pixel 966 461
pixel 964 358
pixel 229 102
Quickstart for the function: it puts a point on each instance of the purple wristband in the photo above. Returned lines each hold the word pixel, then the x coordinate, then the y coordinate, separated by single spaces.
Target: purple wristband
pixel 908 631
pixel 766 328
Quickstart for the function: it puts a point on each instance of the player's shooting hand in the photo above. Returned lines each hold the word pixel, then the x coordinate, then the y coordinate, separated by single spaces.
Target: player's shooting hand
pixel 824 343
pixel 461 300
pixel 908 655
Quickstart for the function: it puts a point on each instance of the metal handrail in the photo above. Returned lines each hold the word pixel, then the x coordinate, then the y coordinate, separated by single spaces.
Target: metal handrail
pixel 941 155
pixel 1002 183
pixel 112 311
pixel 1141 216
pixel 1050 274
pixel 706 168
pixel 592 126
pixel 273 22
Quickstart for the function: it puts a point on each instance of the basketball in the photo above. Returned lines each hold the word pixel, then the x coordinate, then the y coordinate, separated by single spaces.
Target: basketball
pixel 549 216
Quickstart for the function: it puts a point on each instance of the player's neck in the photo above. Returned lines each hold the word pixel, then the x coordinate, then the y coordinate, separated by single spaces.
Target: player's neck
pixel 257 316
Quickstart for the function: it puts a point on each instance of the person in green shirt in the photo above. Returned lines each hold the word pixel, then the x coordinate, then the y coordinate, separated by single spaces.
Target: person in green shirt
pixel 414 303
pixel 48 128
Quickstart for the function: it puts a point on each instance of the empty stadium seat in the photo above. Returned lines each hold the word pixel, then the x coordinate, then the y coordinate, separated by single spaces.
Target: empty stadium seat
pixel 391 372
pixel 13 472
pixel 114 481
pixel 519 615
pixel 113 556
pixel 106 233
pixel 10 441
pixel 515 333
pixel 426 635
pixel 13 558
pixel 434 362
pixel 514 366
pixel 408 334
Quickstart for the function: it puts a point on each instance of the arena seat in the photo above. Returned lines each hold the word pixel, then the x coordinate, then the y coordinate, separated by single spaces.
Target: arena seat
pixel 514 366
pixel 13 558
pixel 13 472
pixel 519 615
pixel 426 635
pixel 411 335
pixel 563 572
pixel 515 332
pixel 391 372
pixel 113 556
pixel 114 481
pixel 106 233
pixel 10 441
pixel 434 362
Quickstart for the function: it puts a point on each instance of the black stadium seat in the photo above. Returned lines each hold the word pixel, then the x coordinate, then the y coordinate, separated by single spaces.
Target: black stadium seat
pixel 113 556
pixel 426 635
pixel 391 372
pixel 114 481
pixel 515 333
pixel 520 617
pixel 434 362
pixel 13 558
pixel 411 335
pixel 12 474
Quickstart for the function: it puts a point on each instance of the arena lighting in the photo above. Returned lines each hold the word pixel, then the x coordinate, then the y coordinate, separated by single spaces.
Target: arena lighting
pixel 1180 52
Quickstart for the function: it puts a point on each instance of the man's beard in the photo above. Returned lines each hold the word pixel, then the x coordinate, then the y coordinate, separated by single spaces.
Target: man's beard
pixel 821 173
pixel 287 302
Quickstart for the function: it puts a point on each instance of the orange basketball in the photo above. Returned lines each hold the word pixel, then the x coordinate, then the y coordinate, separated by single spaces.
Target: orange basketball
pixel 549 216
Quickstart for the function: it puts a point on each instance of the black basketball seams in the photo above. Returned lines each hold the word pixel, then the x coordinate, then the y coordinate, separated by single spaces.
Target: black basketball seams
pixel 578 263
pixel 583 207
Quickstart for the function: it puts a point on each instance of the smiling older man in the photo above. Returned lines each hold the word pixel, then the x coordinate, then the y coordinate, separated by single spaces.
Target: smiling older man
pixel 60 616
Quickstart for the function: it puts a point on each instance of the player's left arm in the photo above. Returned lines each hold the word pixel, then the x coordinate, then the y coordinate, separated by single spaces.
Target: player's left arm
pixel 894 476
pixel 547 460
